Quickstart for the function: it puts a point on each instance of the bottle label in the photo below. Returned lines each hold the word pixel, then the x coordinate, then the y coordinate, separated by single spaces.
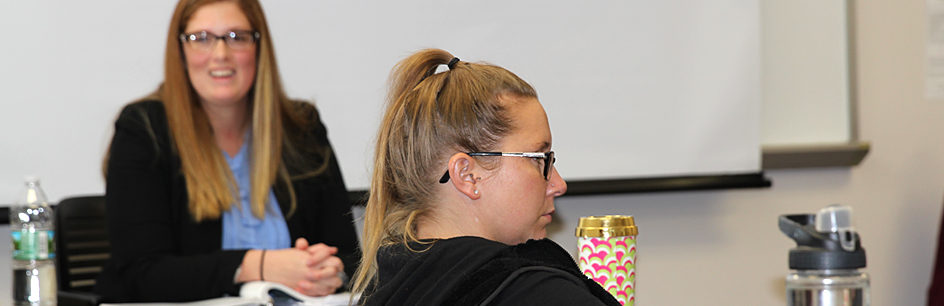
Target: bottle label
pixel 33 245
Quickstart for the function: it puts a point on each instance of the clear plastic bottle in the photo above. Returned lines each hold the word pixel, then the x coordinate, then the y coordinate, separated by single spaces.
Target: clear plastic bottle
pixel 32 231
pixel 828 287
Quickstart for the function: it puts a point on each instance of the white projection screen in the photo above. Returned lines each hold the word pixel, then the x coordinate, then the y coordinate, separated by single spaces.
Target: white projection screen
pixel 632 89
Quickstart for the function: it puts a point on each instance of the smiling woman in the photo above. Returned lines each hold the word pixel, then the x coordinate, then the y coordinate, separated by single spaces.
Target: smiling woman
pixel 217 178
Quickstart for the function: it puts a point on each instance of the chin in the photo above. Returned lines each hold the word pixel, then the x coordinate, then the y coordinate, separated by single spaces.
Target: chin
pixel 223 100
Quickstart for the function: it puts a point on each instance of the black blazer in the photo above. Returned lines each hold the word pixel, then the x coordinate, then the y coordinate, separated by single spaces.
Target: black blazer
pixel 159 253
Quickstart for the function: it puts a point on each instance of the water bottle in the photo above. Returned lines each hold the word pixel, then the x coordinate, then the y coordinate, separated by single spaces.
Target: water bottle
pixel 828 260
pixel 32 230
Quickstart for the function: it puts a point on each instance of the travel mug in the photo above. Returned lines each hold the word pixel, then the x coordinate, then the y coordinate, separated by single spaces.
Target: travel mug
pixel 607 247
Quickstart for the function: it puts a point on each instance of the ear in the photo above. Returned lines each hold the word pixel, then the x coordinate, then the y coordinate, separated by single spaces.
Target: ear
pixel 462 173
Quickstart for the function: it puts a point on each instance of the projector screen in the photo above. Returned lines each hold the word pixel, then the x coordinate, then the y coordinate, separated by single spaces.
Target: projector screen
pixel 632 89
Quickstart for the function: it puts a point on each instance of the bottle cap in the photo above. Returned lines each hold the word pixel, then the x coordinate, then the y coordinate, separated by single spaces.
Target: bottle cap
pixel 824 244
pixel 31 179
pixel 606 226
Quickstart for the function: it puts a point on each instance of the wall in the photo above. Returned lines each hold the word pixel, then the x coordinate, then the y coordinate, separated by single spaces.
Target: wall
pixel 339 53
pixel 724 248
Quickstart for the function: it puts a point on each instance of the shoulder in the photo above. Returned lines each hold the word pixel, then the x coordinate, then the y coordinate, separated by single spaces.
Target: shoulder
pixel 519 272
pixel 537 255
pixel 302 122
pixel 142 121
pixel 145 112
pixel 537 286
pixel 543 252
pixel 545 273
pixel 304 109
pixel 305 117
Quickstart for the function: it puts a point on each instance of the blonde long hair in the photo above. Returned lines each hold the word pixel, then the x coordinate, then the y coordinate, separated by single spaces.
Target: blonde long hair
pixel 429 116
pixel 278 125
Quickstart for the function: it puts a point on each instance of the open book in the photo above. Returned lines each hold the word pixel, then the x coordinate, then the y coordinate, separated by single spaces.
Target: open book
pixel 261 293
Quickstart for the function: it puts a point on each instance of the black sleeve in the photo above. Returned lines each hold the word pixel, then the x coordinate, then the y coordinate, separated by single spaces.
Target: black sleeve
pixel 332 222
pixel 544 288
pixel 144 221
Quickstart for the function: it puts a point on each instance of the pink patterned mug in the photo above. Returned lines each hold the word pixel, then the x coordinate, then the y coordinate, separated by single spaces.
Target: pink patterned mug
pixel 607 247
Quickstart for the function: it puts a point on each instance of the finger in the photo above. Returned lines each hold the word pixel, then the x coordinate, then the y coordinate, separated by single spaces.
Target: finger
pixel 316 275
pixel 316 258
pixel 310 288
pixel 321 246
pixel 314 288
pixel 325 272
pixel 332 283
pixel 332 262
pixel 329 284
pixel 305 288
pixel 301 244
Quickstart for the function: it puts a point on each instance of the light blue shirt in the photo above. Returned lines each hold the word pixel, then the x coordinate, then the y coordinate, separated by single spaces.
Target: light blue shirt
pixel 241 229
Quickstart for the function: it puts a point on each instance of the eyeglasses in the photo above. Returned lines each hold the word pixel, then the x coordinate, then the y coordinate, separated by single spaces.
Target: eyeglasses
pixel 236 40
pixel 547 158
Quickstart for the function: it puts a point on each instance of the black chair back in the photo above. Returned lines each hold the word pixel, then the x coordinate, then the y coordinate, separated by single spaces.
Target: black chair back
pixel 82 246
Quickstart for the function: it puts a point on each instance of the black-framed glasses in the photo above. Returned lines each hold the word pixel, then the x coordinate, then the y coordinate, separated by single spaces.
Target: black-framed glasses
pixel 236 40
pixel 547 158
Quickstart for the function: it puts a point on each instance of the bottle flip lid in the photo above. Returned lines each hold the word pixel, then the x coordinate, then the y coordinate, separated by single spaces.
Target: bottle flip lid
pixel 837 219
pixel 825 240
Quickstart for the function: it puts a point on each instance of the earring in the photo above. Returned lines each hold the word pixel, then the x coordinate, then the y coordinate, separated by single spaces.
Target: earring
pixel 476 191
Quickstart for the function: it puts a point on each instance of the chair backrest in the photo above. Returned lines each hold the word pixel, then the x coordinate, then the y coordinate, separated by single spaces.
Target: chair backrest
pixel 82 246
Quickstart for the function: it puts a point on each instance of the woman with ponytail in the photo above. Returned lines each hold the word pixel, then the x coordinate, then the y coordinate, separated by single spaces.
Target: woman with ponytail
pixel 217 178
pixel 462 190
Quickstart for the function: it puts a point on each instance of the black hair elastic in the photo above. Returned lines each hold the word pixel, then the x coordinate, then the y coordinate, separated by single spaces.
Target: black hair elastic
pixel 452 63
pixel 262 264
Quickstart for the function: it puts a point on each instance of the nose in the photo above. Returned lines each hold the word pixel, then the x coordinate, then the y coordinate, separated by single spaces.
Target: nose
pixel 556 185
pixel 220 50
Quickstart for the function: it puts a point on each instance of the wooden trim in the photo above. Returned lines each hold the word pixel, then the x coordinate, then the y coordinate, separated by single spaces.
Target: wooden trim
pixel 814 156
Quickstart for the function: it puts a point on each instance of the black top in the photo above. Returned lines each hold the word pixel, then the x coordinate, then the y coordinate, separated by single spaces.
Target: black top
pixel 159 253
pixel 473 270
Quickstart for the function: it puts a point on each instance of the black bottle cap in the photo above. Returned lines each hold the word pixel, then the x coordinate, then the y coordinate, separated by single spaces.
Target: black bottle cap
pixel 817 250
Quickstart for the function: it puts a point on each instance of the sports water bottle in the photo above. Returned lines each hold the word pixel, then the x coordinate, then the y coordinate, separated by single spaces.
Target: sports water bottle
pixel 32 230
pixel 828 260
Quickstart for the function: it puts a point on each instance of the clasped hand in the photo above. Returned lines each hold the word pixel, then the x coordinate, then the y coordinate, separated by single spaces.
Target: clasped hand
pixel 310 269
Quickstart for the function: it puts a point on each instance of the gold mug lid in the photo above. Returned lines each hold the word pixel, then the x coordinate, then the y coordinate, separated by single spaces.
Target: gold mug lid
pixel 606 226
